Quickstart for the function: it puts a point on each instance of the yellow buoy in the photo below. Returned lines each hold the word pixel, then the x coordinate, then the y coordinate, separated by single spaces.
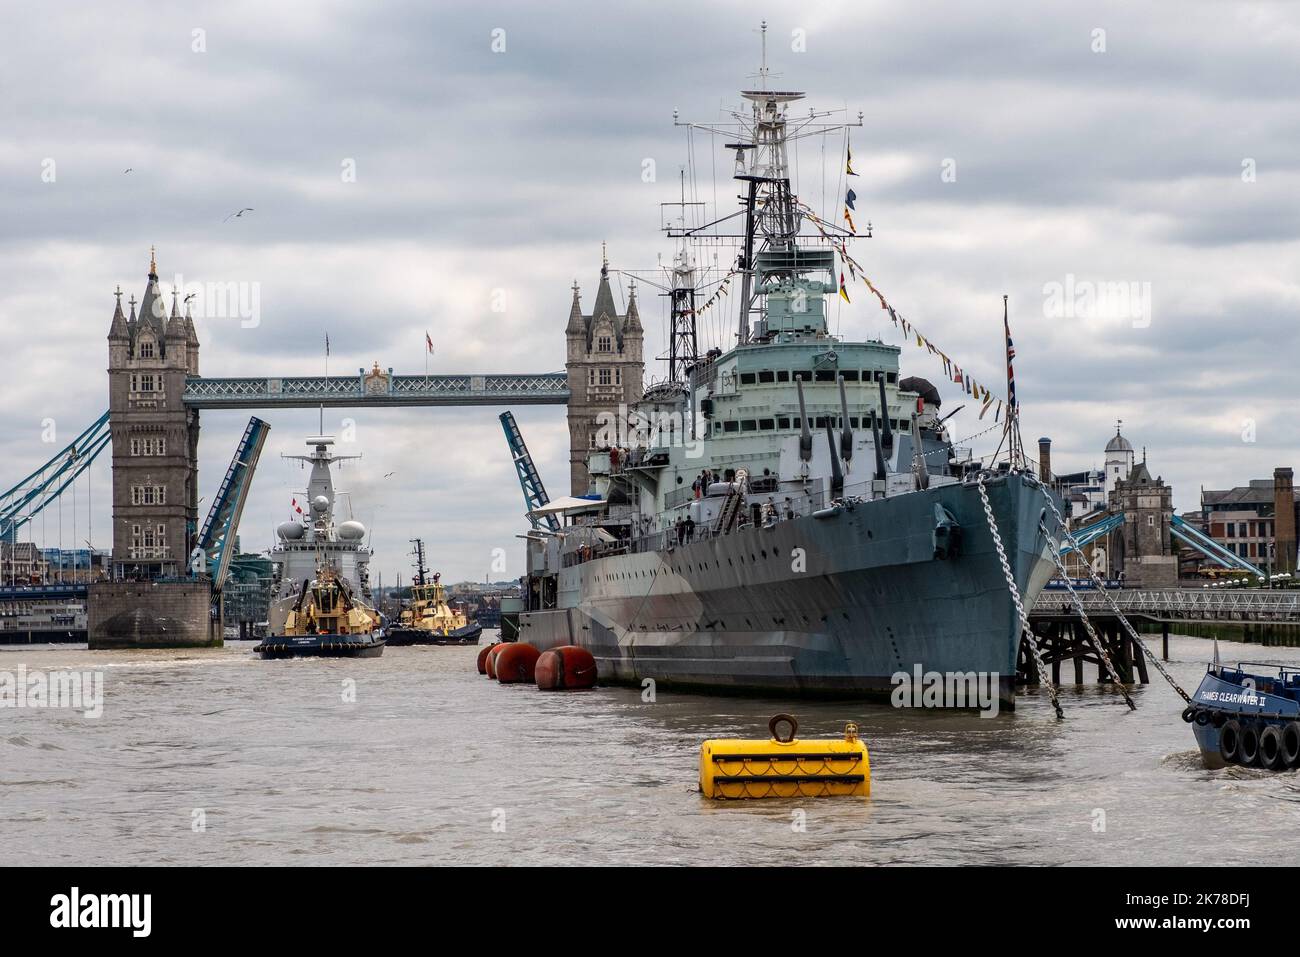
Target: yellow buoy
pixel 784 766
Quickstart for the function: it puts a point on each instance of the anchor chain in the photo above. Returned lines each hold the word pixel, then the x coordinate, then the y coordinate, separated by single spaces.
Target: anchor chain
pixel 1043 677
pixel 1101 588
pixel 1087 624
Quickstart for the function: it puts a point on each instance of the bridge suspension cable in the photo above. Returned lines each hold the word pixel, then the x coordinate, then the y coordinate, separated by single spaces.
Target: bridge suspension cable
pixel 29 497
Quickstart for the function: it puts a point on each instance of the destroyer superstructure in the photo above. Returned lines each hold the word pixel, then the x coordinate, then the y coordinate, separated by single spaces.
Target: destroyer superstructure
pixel 788 515
pixel 321 599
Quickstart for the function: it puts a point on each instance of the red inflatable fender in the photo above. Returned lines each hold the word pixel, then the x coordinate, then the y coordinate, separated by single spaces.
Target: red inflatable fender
pixel 566 668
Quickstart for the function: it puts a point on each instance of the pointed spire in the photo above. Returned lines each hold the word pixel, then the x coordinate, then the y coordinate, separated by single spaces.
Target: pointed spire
pixel 118 329
pixel 132 302
pixel 576 325
pixel 152 309
pixel 191 334
pixel 153 264
pixel 633 323
pixel 175 325
pixel 604 297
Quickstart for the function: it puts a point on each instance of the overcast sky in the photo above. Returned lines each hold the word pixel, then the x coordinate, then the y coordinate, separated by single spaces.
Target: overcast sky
pixel 1155 144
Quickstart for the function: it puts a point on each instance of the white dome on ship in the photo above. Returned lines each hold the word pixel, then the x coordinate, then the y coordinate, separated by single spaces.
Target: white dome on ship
pixel 289 530
pixel 352 531
pixel 320 503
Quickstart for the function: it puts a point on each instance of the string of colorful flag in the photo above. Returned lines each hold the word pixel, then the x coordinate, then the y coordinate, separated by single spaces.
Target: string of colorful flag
pixel 972 387
pixel 717 295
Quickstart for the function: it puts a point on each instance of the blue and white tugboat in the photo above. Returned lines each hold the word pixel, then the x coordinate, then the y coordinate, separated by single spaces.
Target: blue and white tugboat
pixel 1247 717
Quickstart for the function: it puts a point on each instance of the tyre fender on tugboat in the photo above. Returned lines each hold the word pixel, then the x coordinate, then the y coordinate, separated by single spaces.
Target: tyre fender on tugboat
pixel 1291 743
pixel 1270 748
pixel 1248 752
pixel 1230 741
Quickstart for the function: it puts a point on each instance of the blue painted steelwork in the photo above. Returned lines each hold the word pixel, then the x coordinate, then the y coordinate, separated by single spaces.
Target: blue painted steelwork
pixel 534 493
pixel 1207 546
pixel 25 500
pixel 42 592
pixel 376 388
pixel 217 539
pixel 1096 530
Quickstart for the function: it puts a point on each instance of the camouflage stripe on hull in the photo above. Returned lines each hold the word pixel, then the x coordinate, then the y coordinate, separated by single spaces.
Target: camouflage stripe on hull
pixel 812 606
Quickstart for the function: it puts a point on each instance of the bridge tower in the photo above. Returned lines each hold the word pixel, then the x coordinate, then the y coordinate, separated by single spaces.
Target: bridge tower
pixel 605 368
pixel 151 601
pixel 155 438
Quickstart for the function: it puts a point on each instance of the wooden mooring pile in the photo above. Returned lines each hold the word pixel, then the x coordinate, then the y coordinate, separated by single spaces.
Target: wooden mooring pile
pixel 1061 637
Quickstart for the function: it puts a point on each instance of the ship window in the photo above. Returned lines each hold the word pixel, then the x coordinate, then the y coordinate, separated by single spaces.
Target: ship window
pixel 783 422
pixel 767 376
pixel 747 378
pixel 904 425
pixel 783 375
pixel 731 426
pixel 853 421
pixel 850 375
pixel 819 422
pixel 748 425
pixel 891 377
pixel 802 374
pixel 767 425
pixel 824 375
pixel 796 423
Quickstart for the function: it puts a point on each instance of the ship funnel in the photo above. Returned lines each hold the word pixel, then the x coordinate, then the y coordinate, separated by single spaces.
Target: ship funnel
pixel 846 431
pixel 888 436
pixel 805 434
pixel 837 474
pixel 919 470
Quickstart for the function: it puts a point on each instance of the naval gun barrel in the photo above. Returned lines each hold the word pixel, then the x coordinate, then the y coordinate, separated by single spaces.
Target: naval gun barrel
pixel 805 435
pixel 846 433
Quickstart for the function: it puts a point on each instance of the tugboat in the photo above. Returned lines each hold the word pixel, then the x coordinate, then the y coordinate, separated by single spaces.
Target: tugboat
pixel 1247 718
pixel 429 620
pixel 326 621
pixel 321 603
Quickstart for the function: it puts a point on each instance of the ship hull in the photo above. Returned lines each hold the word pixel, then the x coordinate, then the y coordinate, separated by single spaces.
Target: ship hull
pixel 837 605
pixel 320 646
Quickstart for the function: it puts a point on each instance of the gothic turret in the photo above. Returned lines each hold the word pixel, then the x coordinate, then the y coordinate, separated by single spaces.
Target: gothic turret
pixel 119 335
pixel 605 369
pixel 191 343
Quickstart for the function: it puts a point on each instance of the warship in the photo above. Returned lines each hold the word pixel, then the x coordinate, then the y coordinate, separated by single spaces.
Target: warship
pixel 429 619
pixel 321 603
pixel 789 516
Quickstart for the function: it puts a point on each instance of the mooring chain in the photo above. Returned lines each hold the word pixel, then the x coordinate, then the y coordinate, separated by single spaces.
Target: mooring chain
pixel 1043 677
pixel 1087 624
pixel 1109 599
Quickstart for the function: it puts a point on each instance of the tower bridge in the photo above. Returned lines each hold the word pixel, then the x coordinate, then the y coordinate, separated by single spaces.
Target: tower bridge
pixel 162 574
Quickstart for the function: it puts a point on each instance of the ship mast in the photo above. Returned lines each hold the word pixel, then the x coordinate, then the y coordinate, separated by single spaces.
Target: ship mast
pixel 683 346
pixel 769 238
pixel 421 572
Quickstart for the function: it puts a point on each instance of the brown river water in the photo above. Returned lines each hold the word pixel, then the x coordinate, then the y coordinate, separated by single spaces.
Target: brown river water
pixel 215 757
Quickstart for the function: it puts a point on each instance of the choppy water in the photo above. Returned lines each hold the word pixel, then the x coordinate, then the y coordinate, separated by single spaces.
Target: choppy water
pixel 430 755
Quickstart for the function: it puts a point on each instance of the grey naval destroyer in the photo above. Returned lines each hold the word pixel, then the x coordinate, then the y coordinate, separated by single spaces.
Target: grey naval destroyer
pixel 321 602
pixel 789 516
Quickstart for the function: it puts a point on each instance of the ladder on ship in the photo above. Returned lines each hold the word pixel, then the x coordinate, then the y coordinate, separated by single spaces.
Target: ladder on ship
pixel 534 492
pixel 729 514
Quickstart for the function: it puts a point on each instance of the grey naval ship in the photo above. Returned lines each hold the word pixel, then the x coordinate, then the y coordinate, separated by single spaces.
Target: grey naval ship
pixel 321 603
pixel 788 516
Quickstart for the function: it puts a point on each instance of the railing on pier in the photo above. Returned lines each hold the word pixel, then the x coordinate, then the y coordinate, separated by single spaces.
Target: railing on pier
pixel 1184 604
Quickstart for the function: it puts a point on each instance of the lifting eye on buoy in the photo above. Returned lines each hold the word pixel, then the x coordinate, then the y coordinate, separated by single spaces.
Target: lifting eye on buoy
pixel 783 719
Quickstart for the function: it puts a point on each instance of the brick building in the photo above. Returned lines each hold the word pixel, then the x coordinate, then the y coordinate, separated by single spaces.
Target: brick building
pixel 1256 521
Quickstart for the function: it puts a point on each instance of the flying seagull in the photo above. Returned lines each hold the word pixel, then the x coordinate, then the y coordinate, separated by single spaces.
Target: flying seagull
pixel 128 169
pixel 390 475
pixel 246 209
